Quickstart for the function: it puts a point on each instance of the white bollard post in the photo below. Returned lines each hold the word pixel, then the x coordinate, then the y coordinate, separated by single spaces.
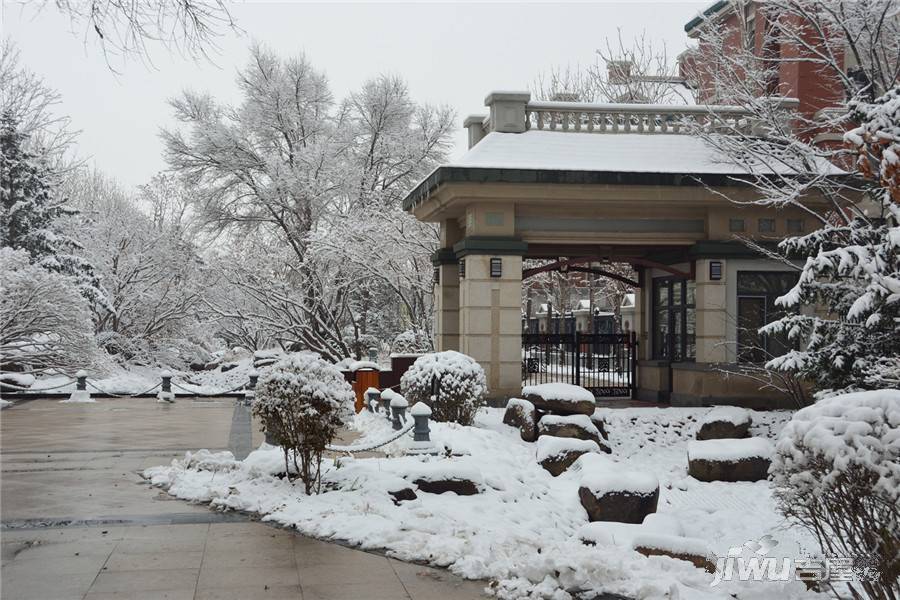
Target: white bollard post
pixel 165 393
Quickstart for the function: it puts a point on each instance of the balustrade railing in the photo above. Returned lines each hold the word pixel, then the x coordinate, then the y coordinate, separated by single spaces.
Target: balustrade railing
pixel 633 118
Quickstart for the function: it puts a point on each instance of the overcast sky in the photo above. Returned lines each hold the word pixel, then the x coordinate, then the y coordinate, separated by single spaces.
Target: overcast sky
pixel 452 53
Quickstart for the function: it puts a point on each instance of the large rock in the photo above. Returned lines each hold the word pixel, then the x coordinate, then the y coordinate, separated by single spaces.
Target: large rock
pixel 402 494
pixel 599 422
pixel 522 415
pixel 442 477
pixel 730 460
pixel 621 496
pixel 460 487
pixel 557 454
pixel 692 550
pixel 560 398
pixel 725 422
pixel 579 427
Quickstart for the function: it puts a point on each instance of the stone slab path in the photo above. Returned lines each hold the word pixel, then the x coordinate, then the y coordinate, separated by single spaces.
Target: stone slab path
pixel 79 522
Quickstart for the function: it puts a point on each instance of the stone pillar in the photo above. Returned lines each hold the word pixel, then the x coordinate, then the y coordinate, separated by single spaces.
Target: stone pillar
pixel 490 317
pixel 475 126
pixel 640 324
pixel 507 111
pixel 446 289
pixel 712 313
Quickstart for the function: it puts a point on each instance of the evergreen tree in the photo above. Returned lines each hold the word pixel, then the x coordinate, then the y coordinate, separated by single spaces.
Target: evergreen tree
pixel 853 270
pixel 30 214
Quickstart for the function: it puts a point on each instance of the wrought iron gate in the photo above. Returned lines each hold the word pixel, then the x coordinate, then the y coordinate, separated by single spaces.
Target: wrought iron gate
pixel 604 363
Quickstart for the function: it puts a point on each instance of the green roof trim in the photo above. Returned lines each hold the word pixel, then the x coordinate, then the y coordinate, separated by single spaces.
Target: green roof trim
pixel 711 10
pixel 497 246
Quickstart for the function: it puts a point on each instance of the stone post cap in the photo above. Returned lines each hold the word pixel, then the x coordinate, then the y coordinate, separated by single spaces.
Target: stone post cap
pixel 166 374
pixel 420 409
pixel 81 373
pixel 507 96
pixel 474 120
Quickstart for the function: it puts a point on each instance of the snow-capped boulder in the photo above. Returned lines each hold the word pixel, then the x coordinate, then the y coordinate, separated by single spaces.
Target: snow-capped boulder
pixel 560 398
pixel 265 358
pixel 725 422
pixel 693 550
pixel 618 495
pixel 729 460
pixel 440 478
pixel 600 423
pixel 521 415
pixel 557 454
pixel 579 427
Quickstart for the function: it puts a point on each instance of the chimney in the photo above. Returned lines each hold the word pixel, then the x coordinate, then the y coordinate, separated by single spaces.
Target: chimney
pixel 618 71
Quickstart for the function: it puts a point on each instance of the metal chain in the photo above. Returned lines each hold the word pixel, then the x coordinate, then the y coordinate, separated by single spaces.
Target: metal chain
pixel 350 449
pixel 123 395
pixel 240 387
pixel 28 389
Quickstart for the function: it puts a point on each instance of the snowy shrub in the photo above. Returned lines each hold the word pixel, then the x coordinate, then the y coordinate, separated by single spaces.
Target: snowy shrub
pixel 462 385
pixel 411 342
pixel 836 471
pixel 302 402
pixel 45 323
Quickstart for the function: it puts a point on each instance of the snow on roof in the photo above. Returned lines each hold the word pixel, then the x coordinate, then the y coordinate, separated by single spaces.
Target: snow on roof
pixel 609 152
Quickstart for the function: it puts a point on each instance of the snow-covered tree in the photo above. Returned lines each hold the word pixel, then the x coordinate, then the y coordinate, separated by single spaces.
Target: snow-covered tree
pixel 151 271
pixel 315 185
pixel 848 268
pixel 31 213
pixel 636 72
pixel 31 104
pixel 45 323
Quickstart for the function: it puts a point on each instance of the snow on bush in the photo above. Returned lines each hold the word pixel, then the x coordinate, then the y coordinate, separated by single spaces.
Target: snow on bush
pixel 837 472
pixel 462 385
pixel 302 402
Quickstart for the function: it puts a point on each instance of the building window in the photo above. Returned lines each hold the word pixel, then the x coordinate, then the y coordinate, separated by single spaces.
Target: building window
pixel 674 325
pixel 767 225
pixel 795 225
pixel 736 225
pixel 756 294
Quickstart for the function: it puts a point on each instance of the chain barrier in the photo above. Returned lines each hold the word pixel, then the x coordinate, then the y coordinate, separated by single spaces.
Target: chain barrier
pixel 373 446
pixel 28 389
pixel 209 395
pixel 123 395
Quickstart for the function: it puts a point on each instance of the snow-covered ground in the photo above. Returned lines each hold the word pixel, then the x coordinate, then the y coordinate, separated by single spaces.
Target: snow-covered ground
pixel 520 531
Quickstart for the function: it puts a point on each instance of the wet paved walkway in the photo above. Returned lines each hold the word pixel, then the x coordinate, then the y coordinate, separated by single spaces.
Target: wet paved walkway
pixel 79 522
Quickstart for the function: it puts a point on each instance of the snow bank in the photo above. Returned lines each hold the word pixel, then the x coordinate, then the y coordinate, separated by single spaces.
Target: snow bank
pixel 727 414
pixel 558 392
pixel 610 533
pixel 730 449
pixel 549 446
pixel 674 544
pixel 441 471
pixel 23 380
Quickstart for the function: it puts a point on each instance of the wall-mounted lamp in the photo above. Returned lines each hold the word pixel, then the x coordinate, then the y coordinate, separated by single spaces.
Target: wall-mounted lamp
pixel 715 270
pixel 462 269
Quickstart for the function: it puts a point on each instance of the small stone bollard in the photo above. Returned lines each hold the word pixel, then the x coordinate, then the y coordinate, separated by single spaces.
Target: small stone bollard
pixel 81 393
pixel 421 443
pixel 372 396
pixel 398 408
pixel 386 396
pixel 165 393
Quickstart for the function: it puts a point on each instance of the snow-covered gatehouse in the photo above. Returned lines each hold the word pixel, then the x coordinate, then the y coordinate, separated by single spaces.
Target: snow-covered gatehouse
pixel 576 183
